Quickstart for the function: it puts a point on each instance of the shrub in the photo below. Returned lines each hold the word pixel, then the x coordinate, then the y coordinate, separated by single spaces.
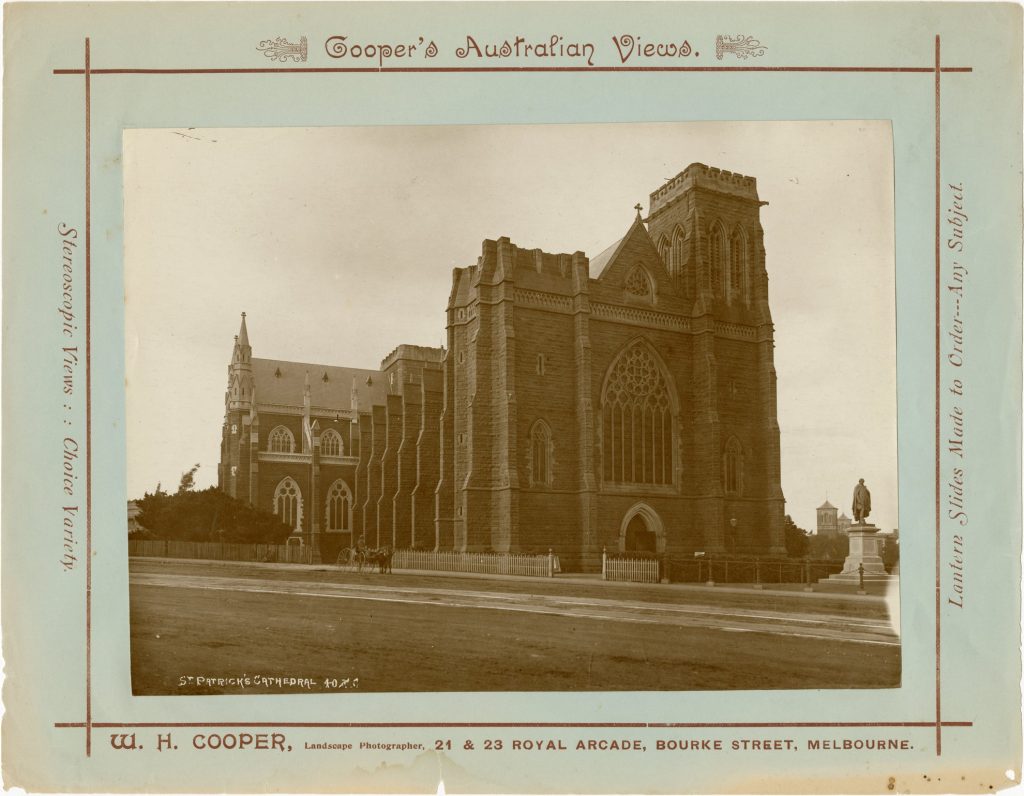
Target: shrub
pixel 208 515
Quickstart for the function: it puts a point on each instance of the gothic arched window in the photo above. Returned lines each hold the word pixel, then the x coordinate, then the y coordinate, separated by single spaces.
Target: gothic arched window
pixel 281 440
pixel 338 510
pixel 665 250
pixel 716 257
pixel 540 454
pixel 733 464
pixel 637 420
pixel 676 257
pixel 638 283
pixel 331 443
pixel 737 265
pixel 288 503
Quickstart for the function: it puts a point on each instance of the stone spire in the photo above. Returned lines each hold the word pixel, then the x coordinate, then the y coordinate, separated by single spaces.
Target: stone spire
pixel 243 333
pixel 240 379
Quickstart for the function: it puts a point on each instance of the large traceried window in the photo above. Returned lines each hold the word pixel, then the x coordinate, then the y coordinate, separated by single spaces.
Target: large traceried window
pixel 331 443
pixel 733 464
pixel 281 440
pixel 637 420
pixel 716 257
pixel 288 503
pixel 540 454
pixel 737 266
pixel 338 510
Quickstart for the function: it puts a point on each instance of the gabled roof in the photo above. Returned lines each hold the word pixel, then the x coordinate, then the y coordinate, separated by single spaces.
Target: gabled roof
pixel 636 245
pixel 606 264
pixel 281 382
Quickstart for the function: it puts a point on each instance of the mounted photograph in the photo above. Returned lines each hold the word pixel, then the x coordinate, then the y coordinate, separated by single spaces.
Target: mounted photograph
pixel 512 408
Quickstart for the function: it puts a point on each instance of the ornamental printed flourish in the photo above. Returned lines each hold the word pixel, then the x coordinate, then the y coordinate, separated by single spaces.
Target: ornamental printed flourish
pixel 741 46
pixel 280 49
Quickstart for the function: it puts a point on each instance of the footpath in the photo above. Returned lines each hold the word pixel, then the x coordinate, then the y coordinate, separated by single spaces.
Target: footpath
pixel 821 591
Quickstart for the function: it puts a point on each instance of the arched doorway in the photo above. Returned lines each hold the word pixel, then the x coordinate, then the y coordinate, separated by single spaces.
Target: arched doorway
pixel 640 538
pixel 641 531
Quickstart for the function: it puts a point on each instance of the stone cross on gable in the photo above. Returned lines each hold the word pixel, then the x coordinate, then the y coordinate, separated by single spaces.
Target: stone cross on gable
pixel 638 207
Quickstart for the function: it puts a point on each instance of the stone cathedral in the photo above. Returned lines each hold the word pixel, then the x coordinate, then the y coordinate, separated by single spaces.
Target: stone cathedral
pixel 625 402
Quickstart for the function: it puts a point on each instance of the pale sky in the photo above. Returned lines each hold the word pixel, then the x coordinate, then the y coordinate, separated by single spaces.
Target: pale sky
pixel 338 243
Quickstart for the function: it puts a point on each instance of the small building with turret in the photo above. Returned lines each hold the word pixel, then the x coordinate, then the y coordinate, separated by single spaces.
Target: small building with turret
pixel 828 520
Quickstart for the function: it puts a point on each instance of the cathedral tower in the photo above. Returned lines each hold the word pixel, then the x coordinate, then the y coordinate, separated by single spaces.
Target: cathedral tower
pixel 705 223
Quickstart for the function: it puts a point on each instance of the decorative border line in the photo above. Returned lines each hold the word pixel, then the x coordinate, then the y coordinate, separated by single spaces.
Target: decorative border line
pixel 938 404
pixel 87 72
pixel 654 725
pixel 449 69
pixel 88 398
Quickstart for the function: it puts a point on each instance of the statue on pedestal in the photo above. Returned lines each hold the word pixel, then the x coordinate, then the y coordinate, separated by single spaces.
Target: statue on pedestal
pixel 861 503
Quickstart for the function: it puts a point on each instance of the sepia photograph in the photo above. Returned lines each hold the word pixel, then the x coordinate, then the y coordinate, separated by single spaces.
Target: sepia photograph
pixel 511 408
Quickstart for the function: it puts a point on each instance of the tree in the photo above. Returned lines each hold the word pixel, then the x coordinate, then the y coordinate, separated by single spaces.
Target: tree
pixel 208 515
pixel 188 480
pixel 829 545
pixel 796 538
pixel 890 552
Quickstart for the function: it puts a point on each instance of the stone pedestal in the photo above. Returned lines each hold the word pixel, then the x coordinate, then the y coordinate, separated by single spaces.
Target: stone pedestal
pixel 866 549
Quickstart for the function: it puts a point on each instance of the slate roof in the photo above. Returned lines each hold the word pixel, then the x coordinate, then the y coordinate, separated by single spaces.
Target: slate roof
pixel 598 263
pixel 826 505
pixel 335 393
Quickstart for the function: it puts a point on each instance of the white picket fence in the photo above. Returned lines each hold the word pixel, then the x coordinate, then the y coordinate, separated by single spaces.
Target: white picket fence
pixel 631 570
pixel 545 566
pixel 222 551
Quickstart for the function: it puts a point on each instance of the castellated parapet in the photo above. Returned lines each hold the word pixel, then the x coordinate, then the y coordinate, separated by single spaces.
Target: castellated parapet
pixel 417 353
pixel 697 175
pixel 500 259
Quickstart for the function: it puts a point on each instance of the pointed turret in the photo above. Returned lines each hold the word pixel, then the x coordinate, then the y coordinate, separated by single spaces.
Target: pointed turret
pixel 243 333
pixel 243 351
pixel 240 379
